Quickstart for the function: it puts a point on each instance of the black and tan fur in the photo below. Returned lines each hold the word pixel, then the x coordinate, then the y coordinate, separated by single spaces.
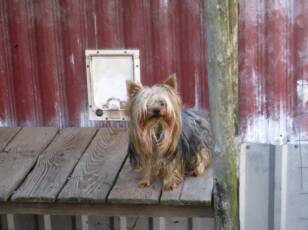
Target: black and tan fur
pixel 166 139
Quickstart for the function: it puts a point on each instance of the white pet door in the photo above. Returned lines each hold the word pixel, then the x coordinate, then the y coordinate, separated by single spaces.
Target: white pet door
pixel 107 72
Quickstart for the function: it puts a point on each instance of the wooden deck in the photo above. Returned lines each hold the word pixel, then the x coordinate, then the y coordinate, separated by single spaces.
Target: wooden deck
pixel 85 171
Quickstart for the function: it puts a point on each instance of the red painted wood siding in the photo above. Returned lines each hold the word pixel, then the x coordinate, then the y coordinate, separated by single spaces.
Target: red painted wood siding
pixel 42 70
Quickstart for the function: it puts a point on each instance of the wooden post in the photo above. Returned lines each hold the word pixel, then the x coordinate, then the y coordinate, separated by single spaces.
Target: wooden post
pixel 221 33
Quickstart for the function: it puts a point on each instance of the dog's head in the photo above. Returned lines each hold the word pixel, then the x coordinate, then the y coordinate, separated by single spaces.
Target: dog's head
pixel 155 116
pixel 156 103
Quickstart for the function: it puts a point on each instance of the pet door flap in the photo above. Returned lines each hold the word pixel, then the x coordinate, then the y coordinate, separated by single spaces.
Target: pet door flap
pixel 107 72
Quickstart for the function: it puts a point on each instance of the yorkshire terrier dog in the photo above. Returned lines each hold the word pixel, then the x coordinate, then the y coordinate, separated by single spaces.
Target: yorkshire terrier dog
pixel 166 140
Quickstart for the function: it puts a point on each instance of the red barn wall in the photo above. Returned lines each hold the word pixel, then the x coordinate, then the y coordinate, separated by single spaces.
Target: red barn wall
pixel 273 63
pixel 42 63
pixel 42 70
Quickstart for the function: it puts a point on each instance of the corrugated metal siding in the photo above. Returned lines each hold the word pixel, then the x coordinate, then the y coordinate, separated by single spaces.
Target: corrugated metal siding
pixel 274 187
pixel 273 70
pixel 42 70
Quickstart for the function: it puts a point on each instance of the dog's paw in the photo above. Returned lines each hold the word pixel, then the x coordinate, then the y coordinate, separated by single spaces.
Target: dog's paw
pixel 144 183
pixel 198 172
pixel 169 186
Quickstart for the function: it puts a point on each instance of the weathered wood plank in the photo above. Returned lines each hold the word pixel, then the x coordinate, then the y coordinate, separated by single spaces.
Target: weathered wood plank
pixel 47 222
pixel 194 190
pixel 138 223
pixel 123 223
pixel 127 191
pixel 85 222
pixel 100 223
pixel 54 165
pixel 105 209
pixel 20 155
pixel 177 223
pixel 6 135
pixel 198 191
pixel 172 197
pixel 203 223
pixel 159 223
pixel 97 169
pixel 10 221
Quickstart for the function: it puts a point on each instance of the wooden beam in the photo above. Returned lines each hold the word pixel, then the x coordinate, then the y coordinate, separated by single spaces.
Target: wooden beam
pixel 221 33
pixel 84 222
pixel 47 222
pixel 99 209
pixel 10 221
pixel 123 223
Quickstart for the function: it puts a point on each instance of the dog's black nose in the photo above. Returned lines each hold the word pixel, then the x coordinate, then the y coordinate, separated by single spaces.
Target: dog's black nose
pixel 156 111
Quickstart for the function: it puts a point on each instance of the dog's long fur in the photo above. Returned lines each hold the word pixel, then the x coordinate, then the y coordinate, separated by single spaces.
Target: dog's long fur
pixel 174 142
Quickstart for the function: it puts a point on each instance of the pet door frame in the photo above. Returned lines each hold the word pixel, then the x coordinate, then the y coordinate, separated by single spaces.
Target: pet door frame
pixel 97 113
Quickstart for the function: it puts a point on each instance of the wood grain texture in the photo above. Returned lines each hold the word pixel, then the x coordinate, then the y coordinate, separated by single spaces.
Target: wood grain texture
pixel 55 165
pixel 194 191
pixel 127 191
pixel 97 169
pixel 159 223
pixel 20 155
pixel 6 135
pixel 222 66
pixel 138 223
pixel 106 209
pixel 172 197
pixel 198 191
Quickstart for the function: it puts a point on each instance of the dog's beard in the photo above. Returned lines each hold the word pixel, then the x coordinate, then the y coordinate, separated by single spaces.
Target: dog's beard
pixel 155 129
pixel 157 134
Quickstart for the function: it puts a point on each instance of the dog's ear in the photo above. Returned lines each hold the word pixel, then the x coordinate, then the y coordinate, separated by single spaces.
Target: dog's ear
pixel 132 88
pixel 171 81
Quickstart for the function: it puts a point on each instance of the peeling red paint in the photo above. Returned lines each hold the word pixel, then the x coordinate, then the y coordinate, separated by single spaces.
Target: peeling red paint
pixel 42 70
pixel 43 80
pixel 272 35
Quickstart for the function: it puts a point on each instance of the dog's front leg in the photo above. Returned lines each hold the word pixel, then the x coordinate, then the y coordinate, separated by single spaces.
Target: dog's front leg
pixel 174 175
pixel 146 181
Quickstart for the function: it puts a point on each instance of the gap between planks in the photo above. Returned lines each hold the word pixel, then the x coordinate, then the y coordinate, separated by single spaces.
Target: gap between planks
pixel 54 165
pixel 96 172
pixel 20 155
pixel 7 135
pixel 117 175
pixel 68 177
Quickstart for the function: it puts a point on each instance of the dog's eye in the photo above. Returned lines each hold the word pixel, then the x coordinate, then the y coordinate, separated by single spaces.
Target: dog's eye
pixel 162 103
